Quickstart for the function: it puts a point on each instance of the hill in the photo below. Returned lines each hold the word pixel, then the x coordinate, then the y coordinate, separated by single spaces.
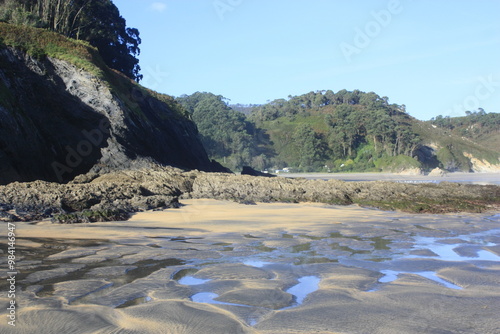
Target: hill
pixel 343 132
pixel 478 126
pixel 63 112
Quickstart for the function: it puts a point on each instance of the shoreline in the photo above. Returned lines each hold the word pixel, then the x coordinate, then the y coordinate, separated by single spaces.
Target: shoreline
pixel 460 177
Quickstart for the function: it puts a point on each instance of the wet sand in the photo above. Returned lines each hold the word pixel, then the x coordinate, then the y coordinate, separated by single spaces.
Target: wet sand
pixel 469 178
pixel 222 267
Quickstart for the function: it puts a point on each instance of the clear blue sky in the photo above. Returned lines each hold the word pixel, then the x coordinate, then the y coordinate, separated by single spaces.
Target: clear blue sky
pixel 434 56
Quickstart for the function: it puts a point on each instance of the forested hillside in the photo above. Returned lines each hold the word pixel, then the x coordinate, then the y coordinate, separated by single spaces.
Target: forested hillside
pixel 226 134
pixel 328 131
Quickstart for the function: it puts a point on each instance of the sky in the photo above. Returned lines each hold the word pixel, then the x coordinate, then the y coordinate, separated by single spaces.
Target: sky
pixel 437 57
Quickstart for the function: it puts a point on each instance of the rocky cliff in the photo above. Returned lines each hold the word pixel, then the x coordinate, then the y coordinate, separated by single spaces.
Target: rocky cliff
pixel 58 121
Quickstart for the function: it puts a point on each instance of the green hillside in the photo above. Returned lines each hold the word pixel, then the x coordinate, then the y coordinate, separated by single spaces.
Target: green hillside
pixel 346 131
pixel 480 127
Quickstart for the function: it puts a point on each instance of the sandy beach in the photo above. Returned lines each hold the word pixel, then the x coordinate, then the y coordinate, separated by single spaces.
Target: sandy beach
pixel 222 267
pixel 470 178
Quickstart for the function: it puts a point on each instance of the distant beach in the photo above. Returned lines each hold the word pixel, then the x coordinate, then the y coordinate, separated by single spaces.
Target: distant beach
pixel 470 178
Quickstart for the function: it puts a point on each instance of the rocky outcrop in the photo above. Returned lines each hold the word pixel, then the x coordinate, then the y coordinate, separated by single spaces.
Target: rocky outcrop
pixel 58 121
pixel 437 172
pixel 247 170
pixel 258 189
pixel 482 166
pixel 109 195
pixel 123 192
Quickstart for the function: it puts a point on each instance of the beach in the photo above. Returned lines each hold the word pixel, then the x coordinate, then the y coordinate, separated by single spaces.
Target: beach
pixel 467 178
pixel 223 267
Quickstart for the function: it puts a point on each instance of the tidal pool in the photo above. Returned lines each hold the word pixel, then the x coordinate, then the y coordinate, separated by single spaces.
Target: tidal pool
pixel 461 248
pixel 392 275
pixel 447 252
pixel 190 280
pixel 306 285
pixel 209 298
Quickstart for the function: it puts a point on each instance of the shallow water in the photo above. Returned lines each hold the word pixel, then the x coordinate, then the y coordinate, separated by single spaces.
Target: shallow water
pixel 392 275
pixel 209 298
pixel 190 280
pixel 306 285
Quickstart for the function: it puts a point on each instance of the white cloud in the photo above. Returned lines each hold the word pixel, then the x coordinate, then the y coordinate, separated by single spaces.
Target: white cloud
pixel 158 7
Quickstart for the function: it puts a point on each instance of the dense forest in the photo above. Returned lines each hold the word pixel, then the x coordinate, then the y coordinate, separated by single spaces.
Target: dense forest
pixel 226 134
pixel 96 21
pixel 328 131
pixel 341 131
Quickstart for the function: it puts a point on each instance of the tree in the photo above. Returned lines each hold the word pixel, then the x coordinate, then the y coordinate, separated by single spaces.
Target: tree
pixel 96 21
pixel 311 148
pixel 105 29
pixel 226 134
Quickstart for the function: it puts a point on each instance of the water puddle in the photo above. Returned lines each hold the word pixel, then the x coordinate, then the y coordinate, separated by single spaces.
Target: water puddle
pixel 256 263
pixel 300 291
pixel 392 275
pixel 209 298
pixel 448 252
pixel 433 276
pixel 190 280
pixel 462 248
pixel 140 270
pixel 306 285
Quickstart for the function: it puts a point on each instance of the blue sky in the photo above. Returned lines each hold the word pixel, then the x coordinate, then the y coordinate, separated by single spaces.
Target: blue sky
pixel 434 56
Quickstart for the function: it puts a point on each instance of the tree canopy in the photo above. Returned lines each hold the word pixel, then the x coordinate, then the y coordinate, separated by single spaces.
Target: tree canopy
pixel 226 134
pixel 333 128
pixel 343 131
pixel 97 21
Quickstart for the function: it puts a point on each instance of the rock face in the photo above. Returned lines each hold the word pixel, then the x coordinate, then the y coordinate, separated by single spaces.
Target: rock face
pixel 247 170
pixel 57 122
pixel 482 166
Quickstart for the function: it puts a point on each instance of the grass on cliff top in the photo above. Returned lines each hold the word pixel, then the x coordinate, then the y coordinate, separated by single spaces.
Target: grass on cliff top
pixel 41 43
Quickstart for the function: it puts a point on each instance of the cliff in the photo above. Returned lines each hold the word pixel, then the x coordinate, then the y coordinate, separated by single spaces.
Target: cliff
pixel 59 120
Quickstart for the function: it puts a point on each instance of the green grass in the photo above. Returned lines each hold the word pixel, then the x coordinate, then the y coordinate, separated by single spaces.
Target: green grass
pixel 396 164
pixel 41 43
pixel 454 145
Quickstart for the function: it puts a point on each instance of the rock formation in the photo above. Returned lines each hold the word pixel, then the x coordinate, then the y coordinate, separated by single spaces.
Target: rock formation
pixel 114 195
pixel 58 121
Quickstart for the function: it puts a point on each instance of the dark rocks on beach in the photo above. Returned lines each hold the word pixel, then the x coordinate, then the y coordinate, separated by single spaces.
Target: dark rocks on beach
pixel 93 197
pixel 250 171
